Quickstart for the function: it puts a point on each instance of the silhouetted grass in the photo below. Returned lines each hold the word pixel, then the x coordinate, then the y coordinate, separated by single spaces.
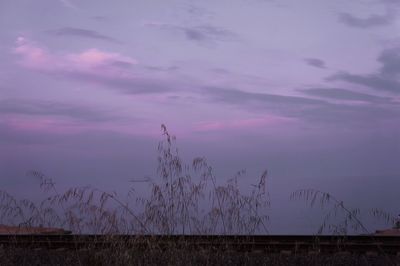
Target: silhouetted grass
pixel 339 219
pixel 184 199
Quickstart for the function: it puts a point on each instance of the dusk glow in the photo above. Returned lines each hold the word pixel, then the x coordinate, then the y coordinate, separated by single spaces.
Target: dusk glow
pixel 309 90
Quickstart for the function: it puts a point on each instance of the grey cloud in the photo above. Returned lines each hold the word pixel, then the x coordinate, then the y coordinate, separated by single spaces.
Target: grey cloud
pixel 384 79
pixel 127 85
pixel 84 33
pixel 50 108
pixel 162 69
pixel 343 94
pixel 120 64
pixel 100 18
pixel 288 106
pixel 219 70
pixel 315 62
pixel 369 22
pixel 304 108
pixel 203 33
pixel 390 59
pixel 373 81
pixel 124 84
pixel 234 96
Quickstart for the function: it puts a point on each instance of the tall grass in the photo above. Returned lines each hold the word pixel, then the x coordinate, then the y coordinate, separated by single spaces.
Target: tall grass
pixel 183 199
pixel 339 218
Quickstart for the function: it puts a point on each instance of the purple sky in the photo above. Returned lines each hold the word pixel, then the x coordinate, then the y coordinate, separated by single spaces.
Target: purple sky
pixel 307 89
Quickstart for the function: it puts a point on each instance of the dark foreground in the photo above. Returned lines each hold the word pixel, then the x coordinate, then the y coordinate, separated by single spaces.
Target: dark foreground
pixel 198 250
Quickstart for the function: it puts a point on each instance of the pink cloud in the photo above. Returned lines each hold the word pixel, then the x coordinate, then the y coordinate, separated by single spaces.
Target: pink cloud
pixel 32 55
pixel 42 124
pixel 91 61
pixel 112 70
pixel 96 58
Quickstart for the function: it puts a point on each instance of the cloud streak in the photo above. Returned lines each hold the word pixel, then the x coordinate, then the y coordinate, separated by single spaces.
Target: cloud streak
pixel 235 96
pixel 307 109
pixel 51 108
pixel 83 33
pixel 347 95
pixel 372 81
pixel 199 34
pixel 365 23
pixel 68 4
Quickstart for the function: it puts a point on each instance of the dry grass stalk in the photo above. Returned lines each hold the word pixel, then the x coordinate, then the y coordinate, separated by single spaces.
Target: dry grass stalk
pixel 186 199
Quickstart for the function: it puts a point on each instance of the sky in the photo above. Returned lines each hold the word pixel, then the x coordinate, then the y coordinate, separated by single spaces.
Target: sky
pixel 309 90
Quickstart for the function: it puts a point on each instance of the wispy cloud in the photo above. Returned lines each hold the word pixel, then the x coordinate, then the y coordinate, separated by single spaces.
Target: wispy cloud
pixel 68 4
pixel 162 69
pixel 199 12
pixel 51 108
pixel 235 96
pixel 347 95
pixel 281 105
pixel 83 33
pixel 372 81
pixel 368 22
pixel 315 62
pixel 304 108
pixel 200 34
pixel 113 70
pixel 100 18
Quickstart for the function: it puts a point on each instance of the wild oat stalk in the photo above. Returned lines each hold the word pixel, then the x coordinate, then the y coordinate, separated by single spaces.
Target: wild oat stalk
pixel 186 199
pixel 350 217
pixel 385 216
pixel 176 202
